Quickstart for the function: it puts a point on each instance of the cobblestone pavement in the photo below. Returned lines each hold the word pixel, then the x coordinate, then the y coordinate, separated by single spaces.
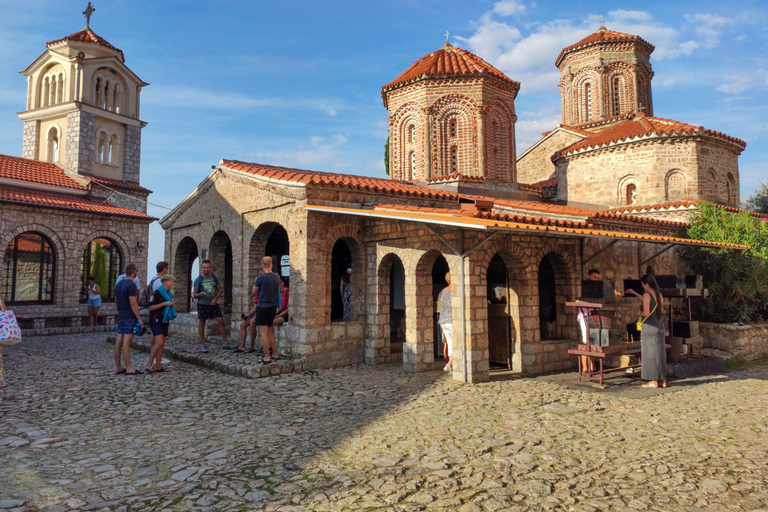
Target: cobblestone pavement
pixel 74 436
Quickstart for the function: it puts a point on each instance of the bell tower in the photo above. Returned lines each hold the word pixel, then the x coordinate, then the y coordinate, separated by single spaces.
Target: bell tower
pixel 82 110
pixel 605 75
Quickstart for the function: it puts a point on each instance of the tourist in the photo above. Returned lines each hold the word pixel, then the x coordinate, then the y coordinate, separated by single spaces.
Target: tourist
pixel 249 322
pixel 207 291
pixel 136 281
pixel 653 351
pixel 127 318
pixel 266 288
pixel 446 322
pixel 161 311
pixel 282 315
pixel 587 363
pixel 94 302
pixel 154 284
pixel 346 293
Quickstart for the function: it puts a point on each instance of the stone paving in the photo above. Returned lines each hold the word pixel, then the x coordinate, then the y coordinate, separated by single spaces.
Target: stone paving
pixel 74 436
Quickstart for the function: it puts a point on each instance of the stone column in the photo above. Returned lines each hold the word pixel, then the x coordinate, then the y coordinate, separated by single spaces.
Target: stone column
pixel 601 90
pixel 635 89
pixel 482 168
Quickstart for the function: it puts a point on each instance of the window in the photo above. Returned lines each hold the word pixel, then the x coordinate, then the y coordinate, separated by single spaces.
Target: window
pixel 102 260
pixel 454 159
pixel 52 145
pixel 452 128
pixel 587 102
pixel 411 133
pixel 616 97
pixel 29 267
pixel 46 91
pixel 631 193
pixel 113 145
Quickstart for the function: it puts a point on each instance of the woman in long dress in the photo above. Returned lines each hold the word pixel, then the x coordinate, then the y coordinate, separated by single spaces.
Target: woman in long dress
pixel 652 346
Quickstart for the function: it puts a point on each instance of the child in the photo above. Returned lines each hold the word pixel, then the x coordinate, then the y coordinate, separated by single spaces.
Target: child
pixel 161 311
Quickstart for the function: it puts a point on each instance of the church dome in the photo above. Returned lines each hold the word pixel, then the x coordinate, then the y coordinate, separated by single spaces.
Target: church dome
pixel 447 62
pixel 603 36
pixel 87 36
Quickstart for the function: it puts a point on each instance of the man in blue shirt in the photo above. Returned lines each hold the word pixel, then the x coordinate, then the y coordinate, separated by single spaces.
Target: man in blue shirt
pixel 127 317
pixel 266 288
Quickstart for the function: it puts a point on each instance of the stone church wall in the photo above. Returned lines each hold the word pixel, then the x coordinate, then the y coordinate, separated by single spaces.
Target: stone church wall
pixel 81 144
pixel 536 165
pixel 69 232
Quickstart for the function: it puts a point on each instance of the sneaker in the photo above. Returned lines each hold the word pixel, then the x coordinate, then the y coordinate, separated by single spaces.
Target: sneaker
pixel 447 369
pixel 204 350
pixel 228 347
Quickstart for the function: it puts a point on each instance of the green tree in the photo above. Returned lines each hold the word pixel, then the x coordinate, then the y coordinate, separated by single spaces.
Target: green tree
pixel 759 202
pixel 386 156
pixel 99 266
pixel 736 279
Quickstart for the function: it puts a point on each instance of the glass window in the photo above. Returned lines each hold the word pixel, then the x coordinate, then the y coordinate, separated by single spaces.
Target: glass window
pixel 29 267
pixel 103 261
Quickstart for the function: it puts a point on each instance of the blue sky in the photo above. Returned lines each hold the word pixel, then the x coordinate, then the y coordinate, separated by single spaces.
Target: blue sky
pixel 298 83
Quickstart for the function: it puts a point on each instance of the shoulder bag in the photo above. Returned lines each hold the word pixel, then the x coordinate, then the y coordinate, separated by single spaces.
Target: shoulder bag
pixel 10 332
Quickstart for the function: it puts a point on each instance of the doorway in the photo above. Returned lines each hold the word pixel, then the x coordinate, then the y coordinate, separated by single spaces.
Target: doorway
pixel 499 317
pixel 439 269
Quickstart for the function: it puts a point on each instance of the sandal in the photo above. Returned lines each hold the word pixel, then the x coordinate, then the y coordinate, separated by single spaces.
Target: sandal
pixel 250 351
pixel 238 351
pixel 119 372
pixel 159 370
pixel 264 361
pixel 135 372
pixel 648 385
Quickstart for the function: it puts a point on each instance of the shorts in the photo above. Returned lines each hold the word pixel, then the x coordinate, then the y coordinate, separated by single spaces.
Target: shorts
pixel 96 303
pixel 125 326
pixel 448 332
pixel 265 316
pixel 160 329
pixel 207 312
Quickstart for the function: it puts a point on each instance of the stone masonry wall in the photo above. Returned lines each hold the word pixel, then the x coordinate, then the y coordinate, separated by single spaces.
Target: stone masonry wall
pixel 80 143
pixel 69 232
pixel 537 165
pixel 132 154
pixel 31 136
pixel 744 342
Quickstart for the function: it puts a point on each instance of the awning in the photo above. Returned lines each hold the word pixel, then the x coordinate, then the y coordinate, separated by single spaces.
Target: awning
pixel 469 222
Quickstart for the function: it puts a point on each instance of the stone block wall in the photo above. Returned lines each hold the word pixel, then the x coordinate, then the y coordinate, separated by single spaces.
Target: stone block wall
pixel 132 154
pixel 30 141
pixel 744 342
pixel 80 142
pixel 535 164
pixel 68 233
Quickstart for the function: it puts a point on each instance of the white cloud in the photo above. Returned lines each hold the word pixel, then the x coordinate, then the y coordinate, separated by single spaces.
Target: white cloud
pixel 321 152
pixel 531 125
pixel 509 8
pixel 736 84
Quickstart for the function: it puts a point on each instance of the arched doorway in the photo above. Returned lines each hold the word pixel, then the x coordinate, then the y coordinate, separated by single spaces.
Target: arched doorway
pixel 396 306
pixel 278 248
pixel 499 313
pixel 547 300
pixel 220 254
pixel 29 264
pixel 439 269
pixel 183 263
pixel 341 260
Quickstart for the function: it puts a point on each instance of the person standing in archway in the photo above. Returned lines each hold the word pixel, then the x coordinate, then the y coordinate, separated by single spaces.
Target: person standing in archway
pixel 94 302
pixel 446 322
pixel 207 291
pixel 267 288
pixel 346 293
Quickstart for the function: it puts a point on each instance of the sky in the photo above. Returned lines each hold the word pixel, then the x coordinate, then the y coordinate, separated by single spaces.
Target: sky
pixel 299 83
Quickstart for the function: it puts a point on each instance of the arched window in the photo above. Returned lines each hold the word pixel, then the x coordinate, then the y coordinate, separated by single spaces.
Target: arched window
pixel 587 102
pixel 29 270
pixel 52 145
pixel 454 159
pixel 52 91
pixel 616 96
pixel 411 133
pixel 452 128
pixel 60 90
pixel 103 148
pixel 103 261
pixel 631 196
pixel 113 150
pixel 97 92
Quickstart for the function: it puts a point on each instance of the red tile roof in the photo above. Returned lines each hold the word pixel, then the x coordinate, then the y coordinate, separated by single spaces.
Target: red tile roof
pixel 603 35
pixel 642 126
pixel 87 36
pixel 33 198
pixel 545 188
pixel 119 184
pixel 454 176
pixel 447 62
pixel 46 173
pixel 682 204
pixel 348 181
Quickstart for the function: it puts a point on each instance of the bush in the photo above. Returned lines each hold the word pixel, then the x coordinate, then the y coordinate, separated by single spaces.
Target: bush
pixel 737 280
pixel 759 202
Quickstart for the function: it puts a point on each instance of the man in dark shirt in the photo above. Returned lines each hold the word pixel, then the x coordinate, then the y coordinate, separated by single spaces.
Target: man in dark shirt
pixel 127 318
pixel 266 288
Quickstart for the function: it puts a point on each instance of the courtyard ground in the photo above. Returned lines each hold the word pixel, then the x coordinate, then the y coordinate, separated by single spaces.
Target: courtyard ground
pixel 74 436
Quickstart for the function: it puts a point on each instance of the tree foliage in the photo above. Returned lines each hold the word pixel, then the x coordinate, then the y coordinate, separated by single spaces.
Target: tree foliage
pixel 737 280
pixel 386 156
pixel 759 202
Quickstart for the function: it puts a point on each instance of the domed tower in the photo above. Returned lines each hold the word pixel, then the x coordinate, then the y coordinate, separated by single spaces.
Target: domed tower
pixel 451 113
pixel 605 75
pixel 82 109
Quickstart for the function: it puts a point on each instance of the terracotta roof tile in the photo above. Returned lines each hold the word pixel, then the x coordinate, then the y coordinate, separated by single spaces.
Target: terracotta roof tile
pixel 682 204
pixel 45 173
pixel 348 181
pixel 447 62
pixel 66 203
pixel 119 184
pixel 545 188
pixel 641 126
pixel 454 176
pixel 87 36
pixel 602 36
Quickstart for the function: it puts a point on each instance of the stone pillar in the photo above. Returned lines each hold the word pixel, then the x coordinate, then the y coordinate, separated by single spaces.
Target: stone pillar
pixel 132 154
pixel 80 142
pixel 30 140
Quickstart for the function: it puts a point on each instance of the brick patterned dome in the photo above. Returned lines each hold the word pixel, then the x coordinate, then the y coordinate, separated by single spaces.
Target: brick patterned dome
pixel 603 35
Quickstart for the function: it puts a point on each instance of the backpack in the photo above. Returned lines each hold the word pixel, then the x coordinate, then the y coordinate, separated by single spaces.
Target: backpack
pixel 146 293
pixel 198 282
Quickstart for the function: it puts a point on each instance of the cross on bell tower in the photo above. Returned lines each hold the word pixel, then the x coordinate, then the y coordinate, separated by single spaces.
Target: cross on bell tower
pixel 87 13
